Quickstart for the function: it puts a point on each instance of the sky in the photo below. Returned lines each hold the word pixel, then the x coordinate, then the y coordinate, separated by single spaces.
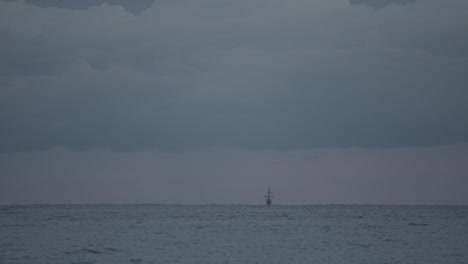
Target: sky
pixel 212 101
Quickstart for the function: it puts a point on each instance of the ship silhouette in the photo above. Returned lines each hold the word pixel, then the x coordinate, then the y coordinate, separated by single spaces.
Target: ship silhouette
pixel 269 196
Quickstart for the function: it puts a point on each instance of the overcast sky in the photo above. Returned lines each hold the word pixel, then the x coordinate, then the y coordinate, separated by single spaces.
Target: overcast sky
pixel 211 101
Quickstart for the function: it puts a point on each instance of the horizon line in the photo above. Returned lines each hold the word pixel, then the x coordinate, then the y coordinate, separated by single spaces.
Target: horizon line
pixel 230 204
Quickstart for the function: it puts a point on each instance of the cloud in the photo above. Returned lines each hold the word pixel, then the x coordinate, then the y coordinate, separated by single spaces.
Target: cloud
pixel 135 7
pixel 376 4
pixel 252 74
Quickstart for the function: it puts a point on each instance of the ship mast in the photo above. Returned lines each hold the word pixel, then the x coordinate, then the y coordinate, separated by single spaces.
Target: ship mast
pixel 269 196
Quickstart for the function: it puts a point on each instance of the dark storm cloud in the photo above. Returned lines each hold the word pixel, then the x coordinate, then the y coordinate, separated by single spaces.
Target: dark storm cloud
pixel 135 7
pixel 251 74
pixel 380 3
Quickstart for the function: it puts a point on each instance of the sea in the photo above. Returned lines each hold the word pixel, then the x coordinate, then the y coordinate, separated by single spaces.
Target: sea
pixel 150 233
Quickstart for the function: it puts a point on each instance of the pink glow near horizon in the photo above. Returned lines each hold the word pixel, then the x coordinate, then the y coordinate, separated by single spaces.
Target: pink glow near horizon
pixel 436 175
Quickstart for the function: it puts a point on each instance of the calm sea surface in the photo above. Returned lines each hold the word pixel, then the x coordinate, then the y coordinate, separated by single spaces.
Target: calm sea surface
pixel 233 234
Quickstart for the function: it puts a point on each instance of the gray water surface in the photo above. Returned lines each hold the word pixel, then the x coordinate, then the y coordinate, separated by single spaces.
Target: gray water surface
pixel 233 234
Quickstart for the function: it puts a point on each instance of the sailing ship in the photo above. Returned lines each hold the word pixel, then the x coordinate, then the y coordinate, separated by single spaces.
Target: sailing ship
pixel 268 197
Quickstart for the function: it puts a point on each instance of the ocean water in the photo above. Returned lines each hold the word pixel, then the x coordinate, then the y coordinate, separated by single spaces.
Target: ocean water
pixel 233 234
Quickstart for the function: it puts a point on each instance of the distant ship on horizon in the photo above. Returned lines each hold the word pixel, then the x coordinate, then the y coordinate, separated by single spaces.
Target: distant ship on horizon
pixel 269 196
